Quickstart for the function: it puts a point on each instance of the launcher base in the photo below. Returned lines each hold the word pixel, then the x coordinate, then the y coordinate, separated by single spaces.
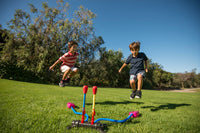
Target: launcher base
pixel 97 126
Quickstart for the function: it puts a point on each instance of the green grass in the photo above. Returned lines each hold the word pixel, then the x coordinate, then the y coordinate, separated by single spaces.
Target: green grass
pixel 37 108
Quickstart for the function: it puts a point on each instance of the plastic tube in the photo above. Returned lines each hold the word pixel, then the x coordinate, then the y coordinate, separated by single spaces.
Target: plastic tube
pixel 94 90
pixel 85 88
pixel 112 120
pixel 79 113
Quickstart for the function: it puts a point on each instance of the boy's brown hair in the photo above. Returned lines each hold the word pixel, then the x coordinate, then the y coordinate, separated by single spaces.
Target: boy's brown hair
pixel 134 45
pixel 72 43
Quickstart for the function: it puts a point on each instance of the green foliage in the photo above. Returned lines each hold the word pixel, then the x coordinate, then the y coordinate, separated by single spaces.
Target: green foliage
pixel 187 79
pixel 147 84
pixel 3 38
pixel 104 71
pixel 112 61
pixel 34 42
pixel 11 71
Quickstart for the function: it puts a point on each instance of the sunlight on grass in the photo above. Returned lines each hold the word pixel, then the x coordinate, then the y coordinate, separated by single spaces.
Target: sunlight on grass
pixel 29 107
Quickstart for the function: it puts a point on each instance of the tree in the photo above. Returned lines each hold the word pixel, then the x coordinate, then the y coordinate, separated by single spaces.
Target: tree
pixel 3 38
pixel 190 79
pixel 35 45
pixel 112 61
pixel 103 71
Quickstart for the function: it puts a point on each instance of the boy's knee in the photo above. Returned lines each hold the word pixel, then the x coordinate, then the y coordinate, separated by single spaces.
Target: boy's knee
pixel 132 81
pixel 140 77
pixel 76 70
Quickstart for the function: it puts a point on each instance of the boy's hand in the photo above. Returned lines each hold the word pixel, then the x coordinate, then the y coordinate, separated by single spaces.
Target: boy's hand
pixel 120 70
pixel 51 68
pixel 146 70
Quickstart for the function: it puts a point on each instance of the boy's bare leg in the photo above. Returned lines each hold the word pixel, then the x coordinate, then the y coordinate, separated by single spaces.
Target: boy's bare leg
pixel 73 73
pixel 132 83
pixel 66 73
pixel 140 81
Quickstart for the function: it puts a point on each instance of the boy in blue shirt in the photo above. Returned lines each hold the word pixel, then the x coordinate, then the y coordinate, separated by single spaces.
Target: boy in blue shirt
pixel 137 70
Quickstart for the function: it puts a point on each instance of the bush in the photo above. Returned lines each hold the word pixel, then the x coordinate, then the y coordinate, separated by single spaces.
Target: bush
pixel 11 71
pixel 147 84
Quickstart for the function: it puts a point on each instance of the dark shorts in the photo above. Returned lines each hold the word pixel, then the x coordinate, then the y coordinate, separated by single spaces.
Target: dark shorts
pixel 134 77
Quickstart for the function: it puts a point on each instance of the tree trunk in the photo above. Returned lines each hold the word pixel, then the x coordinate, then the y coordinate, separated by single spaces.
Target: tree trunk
pixel 182 84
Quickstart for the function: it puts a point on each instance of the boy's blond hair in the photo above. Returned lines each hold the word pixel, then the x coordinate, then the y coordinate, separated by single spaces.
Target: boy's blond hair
pixel 134 45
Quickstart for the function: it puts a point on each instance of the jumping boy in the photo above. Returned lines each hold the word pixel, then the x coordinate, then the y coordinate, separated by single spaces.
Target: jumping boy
pixel 137 70
pixel 69 60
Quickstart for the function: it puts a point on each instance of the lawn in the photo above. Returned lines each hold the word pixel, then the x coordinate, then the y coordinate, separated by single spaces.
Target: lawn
pixel 38 108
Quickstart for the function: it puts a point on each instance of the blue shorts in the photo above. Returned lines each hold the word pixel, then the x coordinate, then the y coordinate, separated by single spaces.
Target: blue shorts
pixel 134 77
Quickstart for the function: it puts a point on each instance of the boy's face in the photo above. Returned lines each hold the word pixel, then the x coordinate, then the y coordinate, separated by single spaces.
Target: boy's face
pixel 135 52
pixel 73 49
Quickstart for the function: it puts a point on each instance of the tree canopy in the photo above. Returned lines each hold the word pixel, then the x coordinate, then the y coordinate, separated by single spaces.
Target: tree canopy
pixel 35 40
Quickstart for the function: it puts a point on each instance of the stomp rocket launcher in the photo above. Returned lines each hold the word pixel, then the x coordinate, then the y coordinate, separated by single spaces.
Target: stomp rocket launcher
pixel 95 124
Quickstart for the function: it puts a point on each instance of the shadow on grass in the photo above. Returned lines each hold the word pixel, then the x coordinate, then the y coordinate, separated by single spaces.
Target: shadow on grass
pixel 115 103
pixel 166 106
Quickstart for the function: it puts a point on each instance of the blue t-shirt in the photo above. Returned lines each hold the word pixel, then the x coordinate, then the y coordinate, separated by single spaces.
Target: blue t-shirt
pixel 137 63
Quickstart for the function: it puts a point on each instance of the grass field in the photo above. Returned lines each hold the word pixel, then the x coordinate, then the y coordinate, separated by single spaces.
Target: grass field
pixel 38 108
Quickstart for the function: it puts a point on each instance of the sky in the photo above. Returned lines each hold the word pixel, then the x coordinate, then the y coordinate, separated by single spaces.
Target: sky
pixel 169 30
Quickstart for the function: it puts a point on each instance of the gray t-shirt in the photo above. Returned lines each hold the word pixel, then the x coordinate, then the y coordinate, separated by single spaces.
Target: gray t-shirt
pixel 137 63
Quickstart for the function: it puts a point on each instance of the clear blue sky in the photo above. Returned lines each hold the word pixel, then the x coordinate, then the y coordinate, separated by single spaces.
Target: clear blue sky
pixel 169 30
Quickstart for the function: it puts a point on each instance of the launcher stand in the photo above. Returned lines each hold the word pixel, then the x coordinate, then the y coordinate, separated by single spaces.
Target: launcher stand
pixel 98 126
pixel 94 124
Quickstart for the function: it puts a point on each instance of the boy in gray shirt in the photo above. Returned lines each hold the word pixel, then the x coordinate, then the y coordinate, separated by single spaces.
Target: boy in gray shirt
pixel 137 70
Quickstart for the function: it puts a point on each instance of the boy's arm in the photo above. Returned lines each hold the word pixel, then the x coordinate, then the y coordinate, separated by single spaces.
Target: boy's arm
pixel 51 67
pixel 145 63
pixel 122 67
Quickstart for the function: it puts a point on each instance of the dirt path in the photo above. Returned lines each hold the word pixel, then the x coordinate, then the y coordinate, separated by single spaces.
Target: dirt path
pixel 193 90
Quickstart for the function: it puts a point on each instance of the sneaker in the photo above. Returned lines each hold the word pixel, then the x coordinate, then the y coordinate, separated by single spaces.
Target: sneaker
pixel 138 94
pixel 133 94
pixel 61 84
